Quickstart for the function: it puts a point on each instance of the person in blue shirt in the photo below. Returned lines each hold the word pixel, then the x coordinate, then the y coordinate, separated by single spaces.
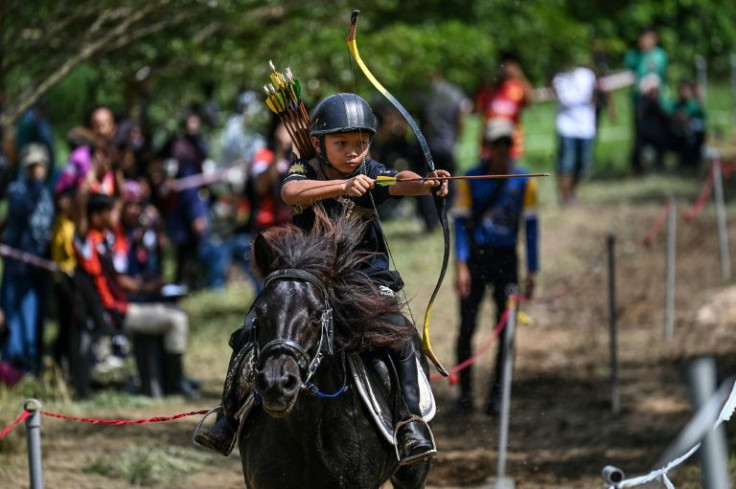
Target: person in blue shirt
pixel 24 286
pixel 488 215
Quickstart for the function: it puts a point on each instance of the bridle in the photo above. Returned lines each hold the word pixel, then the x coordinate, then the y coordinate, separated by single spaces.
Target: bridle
pixel 307 365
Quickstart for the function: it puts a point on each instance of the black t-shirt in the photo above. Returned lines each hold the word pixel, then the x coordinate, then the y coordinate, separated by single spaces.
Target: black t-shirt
pixel 358 208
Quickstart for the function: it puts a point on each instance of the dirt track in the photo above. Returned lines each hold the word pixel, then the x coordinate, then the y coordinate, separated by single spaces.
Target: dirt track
pixel 562 431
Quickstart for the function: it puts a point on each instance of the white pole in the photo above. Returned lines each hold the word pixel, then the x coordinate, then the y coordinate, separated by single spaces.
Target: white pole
pixel 701 67
pixel 714 449
pixel 502 482
pixel 669 309
pixel 721 219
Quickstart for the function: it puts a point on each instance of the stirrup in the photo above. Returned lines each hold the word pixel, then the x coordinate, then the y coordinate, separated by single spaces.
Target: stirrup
pixel 413 459
pixel 199 428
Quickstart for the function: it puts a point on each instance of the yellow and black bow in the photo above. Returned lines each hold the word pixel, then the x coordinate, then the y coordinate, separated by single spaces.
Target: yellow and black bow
pixel 439 201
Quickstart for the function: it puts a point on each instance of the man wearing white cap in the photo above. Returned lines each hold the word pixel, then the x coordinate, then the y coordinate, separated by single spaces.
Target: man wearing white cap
pixel 488 215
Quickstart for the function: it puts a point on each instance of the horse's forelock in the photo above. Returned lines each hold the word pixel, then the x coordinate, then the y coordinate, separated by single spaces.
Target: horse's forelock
pixel 331 251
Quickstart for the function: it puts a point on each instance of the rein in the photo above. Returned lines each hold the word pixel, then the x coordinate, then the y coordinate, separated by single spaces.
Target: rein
pixel 326 345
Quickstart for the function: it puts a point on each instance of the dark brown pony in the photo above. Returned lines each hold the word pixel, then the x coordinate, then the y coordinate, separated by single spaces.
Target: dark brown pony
pixel 296 439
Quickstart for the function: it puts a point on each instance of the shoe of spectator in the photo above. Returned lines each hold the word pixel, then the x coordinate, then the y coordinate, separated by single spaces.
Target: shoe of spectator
pixel 10 374
pixel 175 382
pixel 463 406
pixel 108 364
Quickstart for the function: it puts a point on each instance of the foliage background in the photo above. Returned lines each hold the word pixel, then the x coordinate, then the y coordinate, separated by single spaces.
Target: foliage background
pixel 88 52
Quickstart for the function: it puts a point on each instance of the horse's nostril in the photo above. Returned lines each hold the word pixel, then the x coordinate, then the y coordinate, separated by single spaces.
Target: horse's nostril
pixel 289 383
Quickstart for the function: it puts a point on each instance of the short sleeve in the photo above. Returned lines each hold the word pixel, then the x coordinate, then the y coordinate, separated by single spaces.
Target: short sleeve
pixel 300 170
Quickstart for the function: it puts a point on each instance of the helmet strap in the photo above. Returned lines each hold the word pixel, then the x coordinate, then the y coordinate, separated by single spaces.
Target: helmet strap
pixel 321 154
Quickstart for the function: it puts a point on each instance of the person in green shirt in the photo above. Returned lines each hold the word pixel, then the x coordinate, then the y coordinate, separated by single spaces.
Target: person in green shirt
pixel 648 61
pixel 688 125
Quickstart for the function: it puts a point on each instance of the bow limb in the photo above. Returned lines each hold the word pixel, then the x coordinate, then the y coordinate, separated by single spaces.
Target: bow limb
pixel 439 201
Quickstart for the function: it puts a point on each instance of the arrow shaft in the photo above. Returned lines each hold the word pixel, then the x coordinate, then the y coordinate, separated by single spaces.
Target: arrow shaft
pixel 474 177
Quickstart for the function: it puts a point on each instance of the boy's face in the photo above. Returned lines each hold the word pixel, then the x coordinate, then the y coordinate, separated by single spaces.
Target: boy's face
pixel 346 151
pixel 101 219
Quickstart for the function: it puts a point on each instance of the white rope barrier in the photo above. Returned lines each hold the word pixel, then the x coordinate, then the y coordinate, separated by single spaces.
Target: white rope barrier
pixel 661 474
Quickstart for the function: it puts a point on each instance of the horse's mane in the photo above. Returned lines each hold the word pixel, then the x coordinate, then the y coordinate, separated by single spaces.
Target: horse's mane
pixel 362 316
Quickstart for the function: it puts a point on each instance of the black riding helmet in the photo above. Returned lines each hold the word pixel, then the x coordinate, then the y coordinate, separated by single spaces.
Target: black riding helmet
pixel 342 112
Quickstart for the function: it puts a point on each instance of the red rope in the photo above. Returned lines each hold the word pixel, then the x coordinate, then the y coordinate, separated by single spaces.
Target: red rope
pixel 699 204
pixel 707 189
pixel 28 258
pixel 119 422
pixel 473 358
pixel 658 224
pixel 15 423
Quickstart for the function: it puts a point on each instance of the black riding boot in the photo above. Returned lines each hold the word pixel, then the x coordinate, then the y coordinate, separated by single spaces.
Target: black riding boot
pixel 414 436
pixel 220 437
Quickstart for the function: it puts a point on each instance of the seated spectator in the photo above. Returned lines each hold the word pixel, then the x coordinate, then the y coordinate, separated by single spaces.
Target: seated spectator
pixel 24 286
pixel 139 241
pixel 688 125
pixel 95 257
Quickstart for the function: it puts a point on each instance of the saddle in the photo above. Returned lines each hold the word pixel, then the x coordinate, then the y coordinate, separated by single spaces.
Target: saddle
pixel 371 375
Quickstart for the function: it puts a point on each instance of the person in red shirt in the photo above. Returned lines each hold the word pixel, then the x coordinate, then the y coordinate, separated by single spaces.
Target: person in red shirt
pixel 92 245
pixel 507 98
pixel 268 171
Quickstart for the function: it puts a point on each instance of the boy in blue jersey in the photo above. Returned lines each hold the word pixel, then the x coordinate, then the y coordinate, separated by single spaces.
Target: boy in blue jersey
pixel 488 215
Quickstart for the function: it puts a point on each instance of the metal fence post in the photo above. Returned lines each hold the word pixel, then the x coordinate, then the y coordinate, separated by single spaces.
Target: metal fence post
pixel 721 218
pixel 615 388
pixel 33 428
pixel 701 68
pixel 713 451
pixel 669 307
pixel 503 482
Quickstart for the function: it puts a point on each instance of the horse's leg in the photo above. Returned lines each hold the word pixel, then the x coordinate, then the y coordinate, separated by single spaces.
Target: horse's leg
pixel 411 476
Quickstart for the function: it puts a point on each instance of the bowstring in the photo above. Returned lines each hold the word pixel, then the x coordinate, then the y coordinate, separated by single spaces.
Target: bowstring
pixel 364 171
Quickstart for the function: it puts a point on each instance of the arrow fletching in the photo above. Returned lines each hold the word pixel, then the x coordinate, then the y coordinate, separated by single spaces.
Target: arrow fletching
pixel 283 97
pixel 385 180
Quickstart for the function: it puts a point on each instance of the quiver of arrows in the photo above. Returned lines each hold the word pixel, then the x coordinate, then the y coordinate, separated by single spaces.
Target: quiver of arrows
pixel 284 98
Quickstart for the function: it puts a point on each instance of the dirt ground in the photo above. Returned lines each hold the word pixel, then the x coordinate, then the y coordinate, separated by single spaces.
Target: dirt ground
pixel 562 430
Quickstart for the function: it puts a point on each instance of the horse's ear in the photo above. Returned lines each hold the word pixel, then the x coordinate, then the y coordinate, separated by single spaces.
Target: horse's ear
pixel 263 255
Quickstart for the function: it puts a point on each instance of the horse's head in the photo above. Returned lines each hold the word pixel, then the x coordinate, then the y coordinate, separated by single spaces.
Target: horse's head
pixel 293 330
